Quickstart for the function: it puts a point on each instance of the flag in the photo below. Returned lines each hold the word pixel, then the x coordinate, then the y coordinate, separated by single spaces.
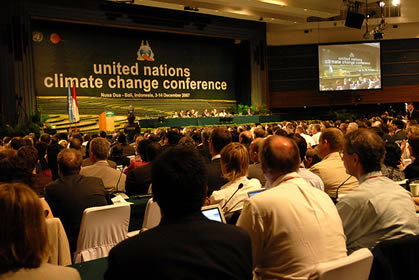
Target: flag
pixel 72 107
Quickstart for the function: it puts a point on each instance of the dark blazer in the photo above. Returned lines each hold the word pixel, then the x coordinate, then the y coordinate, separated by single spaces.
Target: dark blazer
pixel 69 196
pixel 138 180
pixel 413 116
pixel 215 176
pixel 412 170
pixel 400 135
pixel 191 247
pixel 205 152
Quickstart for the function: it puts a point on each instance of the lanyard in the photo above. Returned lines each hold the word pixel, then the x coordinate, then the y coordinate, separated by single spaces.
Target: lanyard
pixel 372 177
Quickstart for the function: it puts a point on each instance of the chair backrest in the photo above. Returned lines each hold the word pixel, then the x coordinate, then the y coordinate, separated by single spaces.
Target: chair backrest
pixel 395 259
pixel 101 229
pixel 355 266
pixel 59 249
pixel 152 215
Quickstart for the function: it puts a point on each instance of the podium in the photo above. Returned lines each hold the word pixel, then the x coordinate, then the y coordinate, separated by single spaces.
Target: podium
pixel 106 121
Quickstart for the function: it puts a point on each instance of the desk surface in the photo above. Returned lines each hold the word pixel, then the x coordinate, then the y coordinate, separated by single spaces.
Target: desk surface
pixel 92 270
pixel 137 212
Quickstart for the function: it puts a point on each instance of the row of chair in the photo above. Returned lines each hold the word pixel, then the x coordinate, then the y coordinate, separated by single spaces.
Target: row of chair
pixel 103 227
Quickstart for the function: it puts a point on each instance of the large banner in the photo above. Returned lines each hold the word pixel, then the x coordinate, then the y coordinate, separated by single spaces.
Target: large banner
pixel 113 63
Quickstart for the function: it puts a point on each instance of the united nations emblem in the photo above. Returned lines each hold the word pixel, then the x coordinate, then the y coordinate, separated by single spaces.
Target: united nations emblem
pixel 37 36
pixel 145 52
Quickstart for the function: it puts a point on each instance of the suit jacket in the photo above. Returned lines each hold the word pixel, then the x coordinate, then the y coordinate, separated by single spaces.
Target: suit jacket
pixel 215 176
pixel 138 180
pixel 205 152
pixel 255 171
pixel 113 179
pixel 400 135
pixel 87 162
pixel 413 116
pixel 69 196
pixel 333 173
pixel 190 247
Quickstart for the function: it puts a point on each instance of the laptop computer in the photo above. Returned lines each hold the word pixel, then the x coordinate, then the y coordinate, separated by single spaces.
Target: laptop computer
pixel 214 212
pixel 252 193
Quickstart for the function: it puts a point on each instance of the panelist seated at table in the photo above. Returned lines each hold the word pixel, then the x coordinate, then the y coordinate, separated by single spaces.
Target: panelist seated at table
pixel 185 245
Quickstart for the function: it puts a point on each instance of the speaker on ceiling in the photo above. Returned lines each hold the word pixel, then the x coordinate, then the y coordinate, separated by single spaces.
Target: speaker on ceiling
pixel 354 20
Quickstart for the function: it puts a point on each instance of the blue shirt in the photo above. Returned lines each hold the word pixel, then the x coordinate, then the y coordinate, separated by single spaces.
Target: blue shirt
pixel 377 210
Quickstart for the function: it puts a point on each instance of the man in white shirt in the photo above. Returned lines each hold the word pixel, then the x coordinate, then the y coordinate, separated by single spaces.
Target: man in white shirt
pixel 378 209
pixel 292 225
pixel 300 131
pixel 113 179
pixel 316 133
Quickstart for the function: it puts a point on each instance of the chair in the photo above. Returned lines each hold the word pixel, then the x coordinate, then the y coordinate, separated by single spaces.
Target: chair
pixel 101 229
pixel 152 215
pixel 59 249
pixel 396 259
pixel 355 266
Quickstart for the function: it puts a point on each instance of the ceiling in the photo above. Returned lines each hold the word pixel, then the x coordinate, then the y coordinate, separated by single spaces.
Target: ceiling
pixel 282 12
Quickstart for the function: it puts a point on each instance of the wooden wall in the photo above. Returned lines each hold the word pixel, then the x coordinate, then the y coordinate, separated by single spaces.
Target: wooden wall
pixel 293 81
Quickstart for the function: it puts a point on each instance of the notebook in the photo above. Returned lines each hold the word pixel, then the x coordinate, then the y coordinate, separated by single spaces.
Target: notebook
pixel 213 212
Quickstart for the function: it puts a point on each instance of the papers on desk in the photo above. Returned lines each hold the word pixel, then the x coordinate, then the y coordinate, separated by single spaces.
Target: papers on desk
pixel 119 199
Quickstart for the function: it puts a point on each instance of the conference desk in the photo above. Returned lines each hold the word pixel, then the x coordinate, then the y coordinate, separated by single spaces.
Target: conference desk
pixel 95 269
pixel 137 211
pixel 92 270
pixel 181 122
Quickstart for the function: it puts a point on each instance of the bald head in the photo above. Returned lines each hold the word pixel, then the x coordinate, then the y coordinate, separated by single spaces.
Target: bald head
pixel 279 156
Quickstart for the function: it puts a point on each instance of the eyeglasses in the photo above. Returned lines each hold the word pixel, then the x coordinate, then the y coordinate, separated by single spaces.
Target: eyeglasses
pixel 342 153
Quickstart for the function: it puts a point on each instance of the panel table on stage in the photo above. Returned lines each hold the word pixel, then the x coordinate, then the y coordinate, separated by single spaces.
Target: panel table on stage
pixel 181 122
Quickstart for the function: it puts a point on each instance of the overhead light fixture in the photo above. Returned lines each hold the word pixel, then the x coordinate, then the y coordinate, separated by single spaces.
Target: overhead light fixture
pixel 395 2
pixel 189 8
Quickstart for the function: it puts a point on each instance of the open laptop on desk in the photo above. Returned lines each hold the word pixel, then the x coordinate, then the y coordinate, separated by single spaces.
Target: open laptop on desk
pixel 214 212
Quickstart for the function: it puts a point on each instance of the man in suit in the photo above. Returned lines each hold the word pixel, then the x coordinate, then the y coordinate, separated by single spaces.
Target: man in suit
pixel 139 179
pixel 69 195
pixel 185 245
pixel 113 179
pixel 399 133
pixel 255 169
pixel 220 137
pixel 203 148
pixel 412 114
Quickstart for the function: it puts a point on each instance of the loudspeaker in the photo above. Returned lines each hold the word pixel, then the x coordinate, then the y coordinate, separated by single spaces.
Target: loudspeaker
pixel 354 20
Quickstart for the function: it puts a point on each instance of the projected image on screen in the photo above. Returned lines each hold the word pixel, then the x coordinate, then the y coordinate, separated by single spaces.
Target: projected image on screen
pixel 349 67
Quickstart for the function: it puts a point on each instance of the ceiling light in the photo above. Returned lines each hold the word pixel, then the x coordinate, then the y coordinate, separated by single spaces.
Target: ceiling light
pixel 274 2
pixel 305 10
pixel 396 2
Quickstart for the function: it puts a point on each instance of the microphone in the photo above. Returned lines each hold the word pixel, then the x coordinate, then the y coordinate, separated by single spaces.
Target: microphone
pixel 238 188
pixel 335 199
